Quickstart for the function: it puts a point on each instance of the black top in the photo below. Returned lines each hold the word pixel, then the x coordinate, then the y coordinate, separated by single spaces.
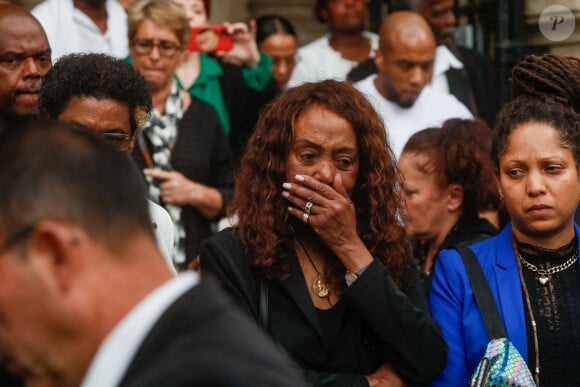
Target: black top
pixel 243 104
pixel 373 322
pixel 464 233
pixel 202 154
pixel 556 309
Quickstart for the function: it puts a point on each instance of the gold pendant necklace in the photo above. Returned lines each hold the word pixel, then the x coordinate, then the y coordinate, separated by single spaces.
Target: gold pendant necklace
pixel 319 285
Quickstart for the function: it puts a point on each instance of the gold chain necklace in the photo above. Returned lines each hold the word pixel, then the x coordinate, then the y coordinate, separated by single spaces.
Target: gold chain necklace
pixel 319 285
pixel 543 273
pixel 532 319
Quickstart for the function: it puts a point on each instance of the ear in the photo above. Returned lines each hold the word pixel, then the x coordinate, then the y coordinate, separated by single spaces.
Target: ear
pixel 323 14
pixel 499 187
pixel 55 250
pixel 454 197
pixel 378 59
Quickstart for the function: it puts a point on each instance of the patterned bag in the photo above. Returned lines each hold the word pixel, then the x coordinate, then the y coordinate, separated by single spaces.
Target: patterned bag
pixel 501 364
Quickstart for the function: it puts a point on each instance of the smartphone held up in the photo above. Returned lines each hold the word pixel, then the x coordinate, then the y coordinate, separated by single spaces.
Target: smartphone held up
pixel 210 39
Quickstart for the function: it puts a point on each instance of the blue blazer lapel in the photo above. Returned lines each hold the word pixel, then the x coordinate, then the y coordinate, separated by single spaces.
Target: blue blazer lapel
pixel 508 292
pixel 577 232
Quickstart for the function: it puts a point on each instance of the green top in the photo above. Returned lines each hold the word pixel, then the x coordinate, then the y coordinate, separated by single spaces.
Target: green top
pixel 207 87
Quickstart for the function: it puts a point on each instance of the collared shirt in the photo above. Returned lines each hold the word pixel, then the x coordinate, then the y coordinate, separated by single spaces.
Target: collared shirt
pixel 318 61
pixel 120 346
pixel 69 30
pixel 431 108
pixel 444 60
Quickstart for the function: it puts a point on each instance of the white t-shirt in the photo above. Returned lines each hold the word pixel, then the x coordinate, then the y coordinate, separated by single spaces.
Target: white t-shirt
pixel 431 108
pixel 318 61
pixel 70 30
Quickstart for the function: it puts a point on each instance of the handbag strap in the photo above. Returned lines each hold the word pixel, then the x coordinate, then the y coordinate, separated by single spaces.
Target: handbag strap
pixel 264 304
pixel 483 296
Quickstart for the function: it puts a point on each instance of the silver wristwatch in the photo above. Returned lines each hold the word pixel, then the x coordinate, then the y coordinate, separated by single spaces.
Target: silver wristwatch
pixel 351 277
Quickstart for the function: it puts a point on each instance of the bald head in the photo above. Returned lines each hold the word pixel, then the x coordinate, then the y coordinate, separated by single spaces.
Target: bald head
pixel 405 57
pixel 9 11
pixel 405 28
pixel 24 60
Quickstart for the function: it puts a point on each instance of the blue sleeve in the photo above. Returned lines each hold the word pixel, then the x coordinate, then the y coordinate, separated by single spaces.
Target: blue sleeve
pixel 447 308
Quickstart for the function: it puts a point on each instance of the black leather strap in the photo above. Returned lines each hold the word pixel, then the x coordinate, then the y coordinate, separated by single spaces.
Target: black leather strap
pixel 487 305
pixel 264 304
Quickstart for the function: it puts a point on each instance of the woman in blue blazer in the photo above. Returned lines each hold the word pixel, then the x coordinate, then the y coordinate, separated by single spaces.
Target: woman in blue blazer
pixel 536 149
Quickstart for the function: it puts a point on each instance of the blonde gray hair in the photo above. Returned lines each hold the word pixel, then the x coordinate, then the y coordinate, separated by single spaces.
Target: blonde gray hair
pixel 162 12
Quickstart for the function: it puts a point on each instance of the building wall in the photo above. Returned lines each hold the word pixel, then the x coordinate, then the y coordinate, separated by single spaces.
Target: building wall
pixel 534 35
pixel 300 13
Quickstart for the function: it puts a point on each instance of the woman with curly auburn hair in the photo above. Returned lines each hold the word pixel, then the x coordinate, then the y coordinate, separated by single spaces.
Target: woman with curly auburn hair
pixel 319 256
pixel 449 179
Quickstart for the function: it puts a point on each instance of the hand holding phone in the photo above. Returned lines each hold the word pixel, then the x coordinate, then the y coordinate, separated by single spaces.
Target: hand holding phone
pixel 210 39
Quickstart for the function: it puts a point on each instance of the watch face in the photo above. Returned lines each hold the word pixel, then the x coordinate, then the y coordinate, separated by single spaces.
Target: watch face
pixel 350 278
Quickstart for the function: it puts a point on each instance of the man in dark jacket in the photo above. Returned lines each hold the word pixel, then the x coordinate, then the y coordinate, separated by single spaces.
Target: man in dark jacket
pixel 85 295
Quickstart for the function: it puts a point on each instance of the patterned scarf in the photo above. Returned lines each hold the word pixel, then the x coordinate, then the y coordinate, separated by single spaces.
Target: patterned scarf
pixel 161 131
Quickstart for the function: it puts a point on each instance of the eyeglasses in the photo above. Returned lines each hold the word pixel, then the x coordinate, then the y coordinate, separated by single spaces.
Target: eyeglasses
pixel 121 141
pixel 18 236
pixel 165 47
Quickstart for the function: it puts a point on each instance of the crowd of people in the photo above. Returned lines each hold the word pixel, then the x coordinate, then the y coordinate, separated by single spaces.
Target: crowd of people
pixel 350 172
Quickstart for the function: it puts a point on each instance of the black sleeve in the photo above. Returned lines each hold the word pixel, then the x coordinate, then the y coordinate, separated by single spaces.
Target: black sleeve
pixel 243 104
pixel 411 340
pixel 223 256
pixel 483 81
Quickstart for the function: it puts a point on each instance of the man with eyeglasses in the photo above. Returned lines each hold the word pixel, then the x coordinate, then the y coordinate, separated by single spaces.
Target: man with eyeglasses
pixel 107 95
pixel 85 297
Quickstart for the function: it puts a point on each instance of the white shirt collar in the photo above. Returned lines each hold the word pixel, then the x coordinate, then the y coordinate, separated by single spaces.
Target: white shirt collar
pixel 120 346
pixel 444 60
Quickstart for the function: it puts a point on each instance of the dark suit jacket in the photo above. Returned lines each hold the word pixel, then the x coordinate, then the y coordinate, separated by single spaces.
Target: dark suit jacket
pixel 204 340
pixel 374 322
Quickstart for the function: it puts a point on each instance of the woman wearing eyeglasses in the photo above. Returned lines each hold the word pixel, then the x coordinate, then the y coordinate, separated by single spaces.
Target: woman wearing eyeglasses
pixel 183 150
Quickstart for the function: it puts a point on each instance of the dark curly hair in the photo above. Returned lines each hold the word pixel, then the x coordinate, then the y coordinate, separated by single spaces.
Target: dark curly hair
pixel 264 226
pixel 545 89
pixel 459 152
pixel 99 76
